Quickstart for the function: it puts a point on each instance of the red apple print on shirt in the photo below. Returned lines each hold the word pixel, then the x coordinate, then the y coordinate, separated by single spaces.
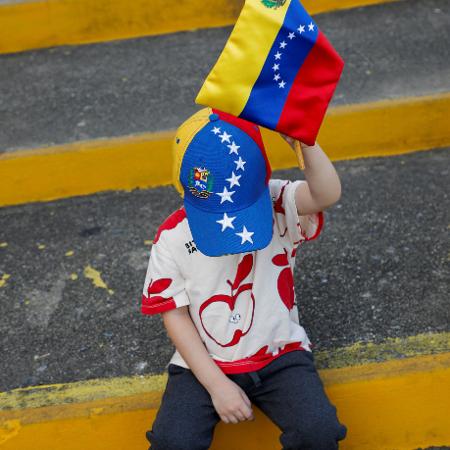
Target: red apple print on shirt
pixel 154 302
pixel 158 286
pixel 285 281
pixel 229 333
pixel 263 353
pixel 294 250
pixel 170 223
pixel 278 206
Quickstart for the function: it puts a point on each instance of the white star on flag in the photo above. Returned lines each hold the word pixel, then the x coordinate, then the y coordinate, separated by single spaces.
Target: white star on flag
pixel 278 55
pixel 226 222
pixel 283 44
pixel 282 84
pixel 276 77
pixel 246 236
pixel 311 27
pixel 225 196
pixel 225 137
pixel 240 163
pixel 301 29
pixel 234 148
pixel 291 36
pixel 234 180
pixel 276 67
pixel 215 130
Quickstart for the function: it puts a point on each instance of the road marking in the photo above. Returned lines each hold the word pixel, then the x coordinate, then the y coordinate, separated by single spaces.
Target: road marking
pixel 390 348
pixel 352 356
pixel 9 429
pixel 26 25
pixel 401 404
pixel 4 278
pixel 143 161
pixel 96 278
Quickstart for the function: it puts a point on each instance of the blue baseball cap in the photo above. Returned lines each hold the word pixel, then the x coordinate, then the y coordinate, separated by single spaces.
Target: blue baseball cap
pixel 223 176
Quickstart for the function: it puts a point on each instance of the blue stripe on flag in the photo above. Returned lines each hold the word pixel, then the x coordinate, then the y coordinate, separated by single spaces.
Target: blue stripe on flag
pixel 267 98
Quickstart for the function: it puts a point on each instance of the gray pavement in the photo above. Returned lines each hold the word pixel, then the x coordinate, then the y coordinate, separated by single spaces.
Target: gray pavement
pixel 380 269
pixel 66 94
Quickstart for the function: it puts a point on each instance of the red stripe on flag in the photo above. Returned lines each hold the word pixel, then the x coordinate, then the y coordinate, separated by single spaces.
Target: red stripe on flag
pixel 311 92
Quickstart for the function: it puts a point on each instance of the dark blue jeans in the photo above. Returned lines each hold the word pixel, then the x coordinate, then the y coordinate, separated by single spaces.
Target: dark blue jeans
pixel 288 390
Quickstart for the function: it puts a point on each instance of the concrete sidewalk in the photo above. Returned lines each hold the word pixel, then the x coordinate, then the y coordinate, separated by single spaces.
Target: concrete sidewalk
pixel 72 273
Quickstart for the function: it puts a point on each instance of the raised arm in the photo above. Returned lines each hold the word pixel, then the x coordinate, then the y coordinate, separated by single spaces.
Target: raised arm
pixel 229 400
pixel 323 187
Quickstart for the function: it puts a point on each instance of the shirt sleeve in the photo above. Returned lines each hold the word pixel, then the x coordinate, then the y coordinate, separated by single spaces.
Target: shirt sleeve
pixel 164 287
pixel 290 225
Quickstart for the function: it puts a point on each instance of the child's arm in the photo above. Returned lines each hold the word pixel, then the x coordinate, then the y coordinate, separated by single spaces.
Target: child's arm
pixel 323 187
pixel 229 400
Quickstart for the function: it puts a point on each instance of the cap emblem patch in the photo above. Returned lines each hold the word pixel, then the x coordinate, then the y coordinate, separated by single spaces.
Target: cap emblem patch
pixel 200 182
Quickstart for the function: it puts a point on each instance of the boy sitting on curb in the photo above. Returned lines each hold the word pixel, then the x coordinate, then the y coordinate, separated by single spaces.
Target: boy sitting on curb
pixel 221 274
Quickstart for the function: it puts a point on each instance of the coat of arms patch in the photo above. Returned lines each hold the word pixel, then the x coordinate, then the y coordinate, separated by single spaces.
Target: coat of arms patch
pixel 273 3
pixel 200 182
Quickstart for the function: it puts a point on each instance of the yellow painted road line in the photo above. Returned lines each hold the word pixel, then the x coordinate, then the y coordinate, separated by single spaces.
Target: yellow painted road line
pixel 398 404
pixel 384 128
pixel 26 25
pixel 358 354
pixel 389 349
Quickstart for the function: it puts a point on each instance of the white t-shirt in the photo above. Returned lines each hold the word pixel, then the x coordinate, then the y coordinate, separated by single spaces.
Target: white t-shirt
pixel 242 305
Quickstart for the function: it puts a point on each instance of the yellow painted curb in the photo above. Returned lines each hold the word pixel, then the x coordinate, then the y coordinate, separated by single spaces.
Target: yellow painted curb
pixel 26 25
pixel 357 354
pixel 382 128
pixel 398 404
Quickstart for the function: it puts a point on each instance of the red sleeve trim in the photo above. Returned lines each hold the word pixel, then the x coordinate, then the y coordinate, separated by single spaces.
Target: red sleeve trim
pixel 316 233
pixel 319 227
pixel 155 304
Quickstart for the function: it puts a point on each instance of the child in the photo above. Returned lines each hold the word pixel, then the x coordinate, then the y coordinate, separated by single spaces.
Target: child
pixel 221 274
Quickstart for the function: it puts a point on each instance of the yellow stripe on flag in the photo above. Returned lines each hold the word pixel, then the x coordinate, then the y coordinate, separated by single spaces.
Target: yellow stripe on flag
pixel 232 79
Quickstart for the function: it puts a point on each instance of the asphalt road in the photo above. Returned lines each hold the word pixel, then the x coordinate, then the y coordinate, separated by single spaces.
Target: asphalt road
pixel 66 94
pixel 380 269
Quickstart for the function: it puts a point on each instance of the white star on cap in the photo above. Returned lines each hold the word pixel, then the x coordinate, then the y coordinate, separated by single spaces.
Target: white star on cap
pixel 291 36
pixel 276 77
pixel 234 148
pixel 226 222
pixel 311 27
pixel 301 29
pixel 283 44
pixel 234 180
pixel 215 130
pixel 225 137
pixel 225 196
pixel 240 163
pixel 276 67
pixel 277 55
pixel 282 84
pixel 246 236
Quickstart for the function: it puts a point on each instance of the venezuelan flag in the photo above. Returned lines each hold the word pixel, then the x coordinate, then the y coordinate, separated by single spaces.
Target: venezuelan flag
pixel 277 70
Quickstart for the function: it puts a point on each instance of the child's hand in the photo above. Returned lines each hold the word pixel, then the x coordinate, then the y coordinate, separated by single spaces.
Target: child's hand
pixel 231 402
